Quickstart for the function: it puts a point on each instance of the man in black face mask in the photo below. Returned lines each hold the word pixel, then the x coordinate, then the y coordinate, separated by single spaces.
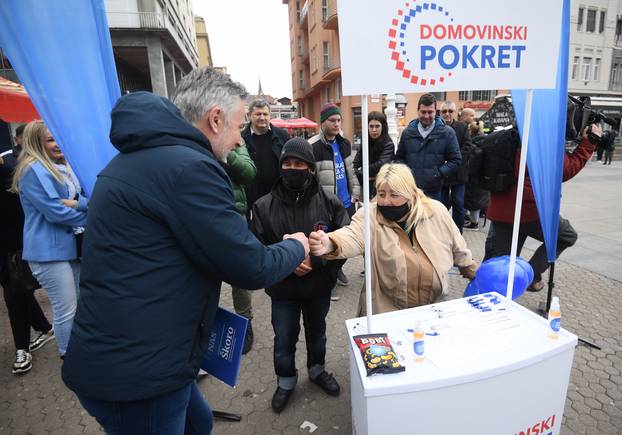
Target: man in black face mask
pixel 297 203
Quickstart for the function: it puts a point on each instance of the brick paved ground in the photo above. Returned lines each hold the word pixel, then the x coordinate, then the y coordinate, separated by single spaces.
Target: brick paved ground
pixel 38 403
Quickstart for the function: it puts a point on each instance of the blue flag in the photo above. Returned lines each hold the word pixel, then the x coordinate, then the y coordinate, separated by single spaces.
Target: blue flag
pixel 62 54
pixel 545 156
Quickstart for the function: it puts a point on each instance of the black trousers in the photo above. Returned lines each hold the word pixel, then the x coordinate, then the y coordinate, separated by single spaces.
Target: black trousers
pixel 499 242
pixel 24 310
pixel 286 324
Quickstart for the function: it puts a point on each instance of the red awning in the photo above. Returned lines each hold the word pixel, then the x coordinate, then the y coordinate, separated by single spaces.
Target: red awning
pixel 15 105
pixel 280 123
pixel 302 123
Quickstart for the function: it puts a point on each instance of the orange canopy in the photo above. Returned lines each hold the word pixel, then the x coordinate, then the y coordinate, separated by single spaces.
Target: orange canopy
pixel 15 105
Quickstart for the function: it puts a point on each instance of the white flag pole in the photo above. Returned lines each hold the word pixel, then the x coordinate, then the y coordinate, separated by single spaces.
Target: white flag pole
pixel 365 150
pixel 519 193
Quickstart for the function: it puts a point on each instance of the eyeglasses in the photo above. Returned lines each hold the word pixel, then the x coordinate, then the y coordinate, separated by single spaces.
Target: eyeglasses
pixel 447 111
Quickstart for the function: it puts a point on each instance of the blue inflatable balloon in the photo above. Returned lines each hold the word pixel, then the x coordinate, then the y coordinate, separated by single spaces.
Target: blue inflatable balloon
pixel 492 276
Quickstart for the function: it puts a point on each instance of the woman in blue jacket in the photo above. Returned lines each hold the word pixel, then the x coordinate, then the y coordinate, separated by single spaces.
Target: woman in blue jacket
pixel 55 212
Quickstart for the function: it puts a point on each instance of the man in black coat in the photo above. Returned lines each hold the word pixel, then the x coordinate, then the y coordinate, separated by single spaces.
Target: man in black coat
pixel 264 142
pixel 454 186
pixel 429 148
pixel 297 203
pixel 162 234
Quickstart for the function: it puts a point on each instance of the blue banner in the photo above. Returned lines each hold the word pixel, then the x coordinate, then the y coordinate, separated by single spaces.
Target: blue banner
pixel 62 54
pixel 545 156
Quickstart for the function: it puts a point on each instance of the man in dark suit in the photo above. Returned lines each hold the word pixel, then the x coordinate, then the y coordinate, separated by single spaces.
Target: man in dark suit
pixel 452 194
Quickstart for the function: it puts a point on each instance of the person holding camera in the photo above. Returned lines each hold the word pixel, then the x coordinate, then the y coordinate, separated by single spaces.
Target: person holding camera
pixel 502 204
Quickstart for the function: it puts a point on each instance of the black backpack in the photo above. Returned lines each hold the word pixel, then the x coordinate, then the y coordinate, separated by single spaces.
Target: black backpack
pixel 491 163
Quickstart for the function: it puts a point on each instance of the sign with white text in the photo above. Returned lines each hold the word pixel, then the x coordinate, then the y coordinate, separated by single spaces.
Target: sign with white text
pixel 429 46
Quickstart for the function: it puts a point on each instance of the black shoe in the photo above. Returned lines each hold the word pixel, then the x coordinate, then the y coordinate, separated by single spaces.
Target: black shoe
pixel 342 279
pixel 471 226
pixel 280 399
pixel 328 383
pixel 248 339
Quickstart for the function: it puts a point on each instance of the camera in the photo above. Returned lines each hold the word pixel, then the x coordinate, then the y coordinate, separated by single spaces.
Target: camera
pixel 580 113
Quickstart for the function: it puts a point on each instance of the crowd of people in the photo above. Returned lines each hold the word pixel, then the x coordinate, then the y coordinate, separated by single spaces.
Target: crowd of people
pixel 203 192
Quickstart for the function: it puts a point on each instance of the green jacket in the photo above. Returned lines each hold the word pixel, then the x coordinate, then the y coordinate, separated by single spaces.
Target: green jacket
pixel 242 171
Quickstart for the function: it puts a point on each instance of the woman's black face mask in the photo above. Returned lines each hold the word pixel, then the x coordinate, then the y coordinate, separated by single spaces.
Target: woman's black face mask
pixel 394 212
pixel 295 179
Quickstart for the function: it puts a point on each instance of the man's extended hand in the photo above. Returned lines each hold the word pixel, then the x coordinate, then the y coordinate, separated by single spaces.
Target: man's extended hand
pixel 319 243
pixel 304 267
pixel 301 238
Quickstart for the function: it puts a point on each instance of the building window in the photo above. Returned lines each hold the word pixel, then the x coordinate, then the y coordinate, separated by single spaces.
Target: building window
pixel 601 23
pixel 324 10
pixel 326 94
pixel 299 42
pixel 440 96
pixel 481 95
pixel 325 55
pixel 301 79
pixel 337 89
pixel 314 59
pixel 590 25
pixel 580 19
pixel 575 67
pixel 587 67
pixel 596 69
pixel 297 10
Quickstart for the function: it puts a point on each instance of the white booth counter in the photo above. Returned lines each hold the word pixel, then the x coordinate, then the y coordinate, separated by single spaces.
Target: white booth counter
pixel 488 369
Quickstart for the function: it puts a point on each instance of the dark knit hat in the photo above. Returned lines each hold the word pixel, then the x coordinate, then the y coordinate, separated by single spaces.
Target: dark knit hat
pixel 300 149
pixel 328 110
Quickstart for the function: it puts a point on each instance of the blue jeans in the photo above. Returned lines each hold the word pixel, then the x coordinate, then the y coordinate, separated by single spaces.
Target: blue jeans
pixel 455 201
pixel 60 280
pixel 184 411
pixel 286 325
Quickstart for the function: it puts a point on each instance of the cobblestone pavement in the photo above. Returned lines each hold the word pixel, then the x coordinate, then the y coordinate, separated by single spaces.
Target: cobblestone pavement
pixel 38 402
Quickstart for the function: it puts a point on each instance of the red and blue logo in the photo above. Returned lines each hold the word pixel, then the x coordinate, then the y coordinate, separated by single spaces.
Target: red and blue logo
pixel 427 47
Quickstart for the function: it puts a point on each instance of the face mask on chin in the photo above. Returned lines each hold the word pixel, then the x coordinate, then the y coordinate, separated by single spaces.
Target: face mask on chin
pixel 394 213
pixel 295 179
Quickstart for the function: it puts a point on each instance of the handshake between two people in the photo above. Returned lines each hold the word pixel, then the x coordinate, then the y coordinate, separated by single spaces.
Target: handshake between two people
pixel 317 244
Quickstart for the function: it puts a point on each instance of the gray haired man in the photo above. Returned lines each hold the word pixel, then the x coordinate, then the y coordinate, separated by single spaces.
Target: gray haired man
pixel 163 233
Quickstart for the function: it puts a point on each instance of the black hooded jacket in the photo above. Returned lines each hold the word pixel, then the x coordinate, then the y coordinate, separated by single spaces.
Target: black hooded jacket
pixel 162 234
pixel 284 211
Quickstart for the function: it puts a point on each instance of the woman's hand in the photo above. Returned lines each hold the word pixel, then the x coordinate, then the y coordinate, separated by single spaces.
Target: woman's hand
pixel 319 243
pixel 304 267
pixel 72 203
pixel 468 272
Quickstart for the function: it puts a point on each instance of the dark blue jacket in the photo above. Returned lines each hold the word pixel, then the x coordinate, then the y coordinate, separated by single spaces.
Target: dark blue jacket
pixel 163 232
pixel 432 159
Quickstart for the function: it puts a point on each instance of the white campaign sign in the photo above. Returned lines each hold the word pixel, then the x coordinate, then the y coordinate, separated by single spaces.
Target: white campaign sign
pixel 428 46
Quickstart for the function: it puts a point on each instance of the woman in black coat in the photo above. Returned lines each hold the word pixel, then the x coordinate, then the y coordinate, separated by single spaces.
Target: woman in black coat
pixel 381 150
pixel 475 198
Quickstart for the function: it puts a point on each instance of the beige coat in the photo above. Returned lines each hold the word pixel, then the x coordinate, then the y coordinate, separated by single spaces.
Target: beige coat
pixel 438 236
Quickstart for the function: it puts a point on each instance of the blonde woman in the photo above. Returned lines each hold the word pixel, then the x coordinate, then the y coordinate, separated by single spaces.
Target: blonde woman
pixel 414 244
pixel 54 210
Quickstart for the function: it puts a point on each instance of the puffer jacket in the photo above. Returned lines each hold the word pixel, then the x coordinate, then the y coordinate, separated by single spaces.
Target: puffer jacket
pixel 432 159
pixel 241 169
pixel 381 151
pixel 325 164
pixel 463 136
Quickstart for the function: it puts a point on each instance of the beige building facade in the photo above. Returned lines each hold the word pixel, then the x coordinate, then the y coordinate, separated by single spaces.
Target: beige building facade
pixel 316 71
pixel 203 48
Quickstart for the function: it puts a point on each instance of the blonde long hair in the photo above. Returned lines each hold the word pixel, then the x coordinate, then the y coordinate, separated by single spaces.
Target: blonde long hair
pixel 33 150
pixel 399 178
